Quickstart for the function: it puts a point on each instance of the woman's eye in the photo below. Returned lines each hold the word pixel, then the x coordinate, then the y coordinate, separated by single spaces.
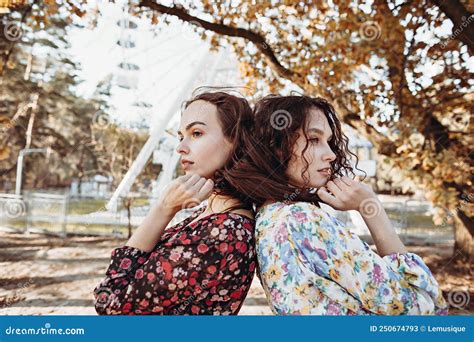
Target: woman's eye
pixel 198 134
pixel 314 140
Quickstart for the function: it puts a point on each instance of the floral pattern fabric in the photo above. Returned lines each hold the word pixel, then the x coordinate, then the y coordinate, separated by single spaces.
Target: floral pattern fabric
pixel 309 263
pixel 202 268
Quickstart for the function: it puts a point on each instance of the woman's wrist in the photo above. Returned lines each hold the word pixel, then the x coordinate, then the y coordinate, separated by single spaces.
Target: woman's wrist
pixel 371 207
pixel 162 210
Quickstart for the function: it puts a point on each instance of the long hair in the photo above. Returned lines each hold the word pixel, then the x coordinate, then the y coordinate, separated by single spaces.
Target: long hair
pixel 235 118
pixel 260 174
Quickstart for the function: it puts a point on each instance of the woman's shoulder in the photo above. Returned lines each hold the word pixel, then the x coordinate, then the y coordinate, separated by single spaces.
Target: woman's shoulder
pixel 298 210
pixel 223 220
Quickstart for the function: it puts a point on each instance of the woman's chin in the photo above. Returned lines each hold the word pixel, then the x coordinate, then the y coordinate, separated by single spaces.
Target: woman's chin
pixel 320 182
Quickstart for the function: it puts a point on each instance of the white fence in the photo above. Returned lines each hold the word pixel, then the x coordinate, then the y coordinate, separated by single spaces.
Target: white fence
pixel 61 214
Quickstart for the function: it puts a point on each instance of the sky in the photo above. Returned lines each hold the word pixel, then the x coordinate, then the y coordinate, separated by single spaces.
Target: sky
pixel 166 60
pixel 167 57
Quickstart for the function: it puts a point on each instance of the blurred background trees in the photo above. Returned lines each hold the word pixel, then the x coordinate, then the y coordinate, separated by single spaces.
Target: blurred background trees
pixel 398 72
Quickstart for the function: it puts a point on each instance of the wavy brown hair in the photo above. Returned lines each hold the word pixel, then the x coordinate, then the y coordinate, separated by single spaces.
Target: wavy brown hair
pixel 260 174
pixel 235 118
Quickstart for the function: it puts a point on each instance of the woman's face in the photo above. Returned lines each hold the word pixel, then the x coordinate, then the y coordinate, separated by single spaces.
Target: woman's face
pixel 318 154
pixel 203 146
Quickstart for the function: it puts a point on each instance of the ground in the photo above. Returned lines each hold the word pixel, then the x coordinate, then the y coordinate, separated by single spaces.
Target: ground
pixel 49 275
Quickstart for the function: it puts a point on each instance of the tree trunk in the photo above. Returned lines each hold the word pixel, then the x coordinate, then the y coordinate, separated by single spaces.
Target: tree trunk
pixel 463 236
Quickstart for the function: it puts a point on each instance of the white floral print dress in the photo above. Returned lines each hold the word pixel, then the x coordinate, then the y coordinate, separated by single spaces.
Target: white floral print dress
pixel 310 264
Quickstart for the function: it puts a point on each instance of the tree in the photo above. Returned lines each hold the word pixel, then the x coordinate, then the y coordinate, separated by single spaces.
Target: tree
pixel 40 108
pixel 389 67
pixel 370 61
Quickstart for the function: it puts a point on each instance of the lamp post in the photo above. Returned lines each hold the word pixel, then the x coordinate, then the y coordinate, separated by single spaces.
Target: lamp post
pixel 19 165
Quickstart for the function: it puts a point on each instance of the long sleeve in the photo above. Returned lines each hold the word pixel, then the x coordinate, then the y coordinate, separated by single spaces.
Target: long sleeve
pixel 178 275
pixel 345 268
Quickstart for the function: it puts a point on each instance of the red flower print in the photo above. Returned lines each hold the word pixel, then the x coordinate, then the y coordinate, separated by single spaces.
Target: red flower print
pixel 223 247
pixel 167 269
pixel 212 269
pixel 236 294
pixel 202 269
pixel 202 248
pixel 220 219
pixel 126 263
pixel 241 247
pixel 234 265
pixel 139 274
pixel 127 307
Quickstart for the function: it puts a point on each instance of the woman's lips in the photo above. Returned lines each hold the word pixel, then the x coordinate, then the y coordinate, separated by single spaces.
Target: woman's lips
pixel 326 172
pixel 186 164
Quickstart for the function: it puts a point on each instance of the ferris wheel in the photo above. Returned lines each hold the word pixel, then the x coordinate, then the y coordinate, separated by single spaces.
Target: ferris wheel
pixel 188 63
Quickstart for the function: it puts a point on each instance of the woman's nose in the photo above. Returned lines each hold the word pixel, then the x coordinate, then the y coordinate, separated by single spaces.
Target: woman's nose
pixel 182 148
pixel 329 154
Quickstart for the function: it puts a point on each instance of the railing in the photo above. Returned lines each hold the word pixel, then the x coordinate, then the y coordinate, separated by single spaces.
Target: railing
pixel 61 214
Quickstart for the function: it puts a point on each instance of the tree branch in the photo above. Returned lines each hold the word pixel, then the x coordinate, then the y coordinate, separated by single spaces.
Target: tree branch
pixel 224 30
pixel 384 145
pixel 460 17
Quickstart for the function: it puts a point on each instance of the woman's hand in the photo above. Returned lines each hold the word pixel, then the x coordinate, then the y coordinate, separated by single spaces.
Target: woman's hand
pixel 184 192
pixel 345 193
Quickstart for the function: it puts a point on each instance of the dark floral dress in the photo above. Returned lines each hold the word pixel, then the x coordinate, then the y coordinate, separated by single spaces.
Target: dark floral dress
pixel 202 268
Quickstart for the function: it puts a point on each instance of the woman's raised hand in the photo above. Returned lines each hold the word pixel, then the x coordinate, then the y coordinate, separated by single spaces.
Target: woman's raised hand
pixel 185 192
pixel 345 193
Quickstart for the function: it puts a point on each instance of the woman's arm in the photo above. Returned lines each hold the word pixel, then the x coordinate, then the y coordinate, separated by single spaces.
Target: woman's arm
pixel 398 283
pixel 182 190
pixel 150 231
pixel 385 238
pixel 348 194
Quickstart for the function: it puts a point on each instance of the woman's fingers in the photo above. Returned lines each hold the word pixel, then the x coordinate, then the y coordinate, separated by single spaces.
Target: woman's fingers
pixel 206 189
pixel 341 185
pixel 335 190
pixel 194 189
pixel 347 181
pixel 192 181
pixel 199 188
pixel 326 197
pixel 185 178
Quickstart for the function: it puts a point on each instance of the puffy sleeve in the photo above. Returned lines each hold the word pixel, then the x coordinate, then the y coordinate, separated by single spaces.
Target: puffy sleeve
pixel 177 271
pixel 346 268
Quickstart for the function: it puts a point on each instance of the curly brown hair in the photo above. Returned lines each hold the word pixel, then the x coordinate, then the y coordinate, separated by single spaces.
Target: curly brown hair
pixel 260 174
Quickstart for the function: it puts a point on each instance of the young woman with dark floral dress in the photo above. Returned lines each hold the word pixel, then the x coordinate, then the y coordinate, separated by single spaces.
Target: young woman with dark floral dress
pixel 203 265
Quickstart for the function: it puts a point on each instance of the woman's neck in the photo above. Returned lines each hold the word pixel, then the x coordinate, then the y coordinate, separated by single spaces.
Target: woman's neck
pixel 218 203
